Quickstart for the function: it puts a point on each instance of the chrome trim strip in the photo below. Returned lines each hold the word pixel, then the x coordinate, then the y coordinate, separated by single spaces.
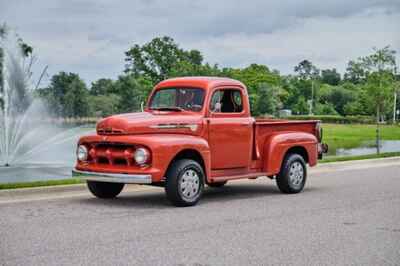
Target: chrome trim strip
pixel 114 178
pixel 192 127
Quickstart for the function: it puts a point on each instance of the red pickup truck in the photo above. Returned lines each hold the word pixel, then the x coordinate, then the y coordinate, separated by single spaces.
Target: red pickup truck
pixel 196 131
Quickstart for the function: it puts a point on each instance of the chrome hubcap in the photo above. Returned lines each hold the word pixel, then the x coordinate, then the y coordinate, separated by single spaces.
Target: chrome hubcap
pixel 296 174
pixel 189 184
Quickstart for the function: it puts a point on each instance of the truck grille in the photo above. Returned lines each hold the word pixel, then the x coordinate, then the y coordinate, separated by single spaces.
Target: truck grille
pixel 111 154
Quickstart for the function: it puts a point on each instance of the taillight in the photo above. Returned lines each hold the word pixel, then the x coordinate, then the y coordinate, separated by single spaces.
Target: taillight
pixel 318 131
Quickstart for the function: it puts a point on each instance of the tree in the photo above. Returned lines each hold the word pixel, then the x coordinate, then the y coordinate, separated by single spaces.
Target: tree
pixel 268 100
pixel 379 88
pixel 380 82
pixel 66 95
pixel 306 70
pixel 158 58
pixel 330 76
pixel 102 86
pixel 186 68
pixel 337 97
pixel 254 77
pixel 129 90
pixel 355 72
pixel 76 102
pixel 360 106
pixel 325 109
pixel 104 105
pixel 300 107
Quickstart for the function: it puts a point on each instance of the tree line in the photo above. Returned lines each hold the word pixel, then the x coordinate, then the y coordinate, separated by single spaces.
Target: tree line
pixel 368 86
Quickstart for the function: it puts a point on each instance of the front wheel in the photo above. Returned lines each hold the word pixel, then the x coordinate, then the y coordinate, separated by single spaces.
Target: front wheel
pixel 293 174
pixel 105 190
pixel 185 183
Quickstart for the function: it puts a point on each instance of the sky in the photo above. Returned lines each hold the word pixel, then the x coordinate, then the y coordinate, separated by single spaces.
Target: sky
pixel 90 37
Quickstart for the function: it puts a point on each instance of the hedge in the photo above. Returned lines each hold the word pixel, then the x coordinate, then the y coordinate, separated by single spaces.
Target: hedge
pixel 336 119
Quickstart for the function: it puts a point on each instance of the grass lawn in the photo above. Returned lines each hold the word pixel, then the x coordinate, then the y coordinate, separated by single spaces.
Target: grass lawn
pixel 44 183
pixel 351 136
pixel 359 157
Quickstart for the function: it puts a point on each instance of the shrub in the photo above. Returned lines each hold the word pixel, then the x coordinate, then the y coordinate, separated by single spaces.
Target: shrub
pixel 336 119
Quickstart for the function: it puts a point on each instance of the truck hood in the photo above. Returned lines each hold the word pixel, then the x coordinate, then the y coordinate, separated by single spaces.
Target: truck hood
pixel 150 122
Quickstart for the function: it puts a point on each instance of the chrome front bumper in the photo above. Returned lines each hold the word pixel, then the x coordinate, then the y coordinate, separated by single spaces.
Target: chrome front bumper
pixel 114 178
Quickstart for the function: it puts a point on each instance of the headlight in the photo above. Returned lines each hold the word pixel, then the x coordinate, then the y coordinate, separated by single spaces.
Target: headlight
pixel 141 156
pixel 82 153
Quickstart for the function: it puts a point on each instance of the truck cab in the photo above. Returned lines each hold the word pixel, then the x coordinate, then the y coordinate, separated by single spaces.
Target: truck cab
pixel 196 131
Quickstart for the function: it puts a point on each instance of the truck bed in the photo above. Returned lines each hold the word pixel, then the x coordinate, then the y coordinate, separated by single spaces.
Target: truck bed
pixel 265 128
pixel 270 126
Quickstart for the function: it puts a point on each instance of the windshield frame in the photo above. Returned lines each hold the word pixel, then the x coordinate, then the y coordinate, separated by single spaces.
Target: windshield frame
pixel 153 94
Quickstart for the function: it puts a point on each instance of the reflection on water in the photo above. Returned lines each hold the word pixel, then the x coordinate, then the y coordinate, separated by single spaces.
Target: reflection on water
pixel 52 161
pixel 368 148
pixel 34 172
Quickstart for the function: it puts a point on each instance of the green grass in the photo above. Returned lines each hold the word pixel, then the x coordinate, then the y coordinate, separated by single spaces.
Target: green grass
pixel 355 135
pixel 359 157
pixel 45 183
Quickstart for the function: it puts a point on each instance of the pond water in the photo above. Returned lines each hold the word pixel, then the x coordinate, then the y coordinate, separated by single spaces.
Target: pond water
pixel 54 161
pixel 368 147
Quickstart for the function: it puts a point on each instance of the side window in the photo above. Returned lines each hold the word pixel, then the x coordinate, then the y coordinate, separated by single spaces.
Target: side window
pixel 215 104
pixel 227 101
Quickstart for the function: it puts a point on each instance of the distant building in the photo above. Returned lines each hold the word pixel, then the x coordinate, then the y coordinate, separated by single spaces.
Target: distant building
pixel 285 112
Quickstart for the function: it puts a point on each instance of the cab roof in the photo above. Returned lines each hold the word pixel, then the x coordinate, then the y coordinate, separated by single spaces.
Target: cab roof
pixel 200 82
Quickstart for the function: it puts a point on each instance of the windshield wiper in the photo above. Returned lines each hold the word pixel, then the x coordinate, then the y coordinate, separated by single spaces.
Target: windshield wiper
pixel 171 108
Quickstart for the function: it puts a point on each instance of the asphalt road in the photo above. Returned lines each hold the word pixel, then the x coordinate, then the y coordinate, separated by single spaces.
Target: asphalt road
pixel 348 214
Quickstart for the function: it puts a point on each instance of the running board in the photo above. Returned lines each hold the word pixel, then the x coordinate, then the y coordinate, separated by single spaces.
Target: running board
pixel 233 177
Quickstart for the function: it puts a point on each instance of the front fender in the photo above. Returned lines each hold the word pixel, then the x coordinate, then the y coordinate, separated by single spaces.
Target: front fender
pixel 277 145
pixel 166 147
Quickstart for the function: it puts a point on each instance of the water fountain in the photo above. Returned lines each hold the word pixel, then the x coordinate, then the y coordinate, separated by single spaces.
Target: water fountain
pixel 32 145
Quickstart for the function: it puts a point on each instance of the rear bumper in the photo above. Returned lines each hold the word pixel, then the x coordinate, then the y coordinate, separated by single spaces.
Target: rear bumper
pixel 114 178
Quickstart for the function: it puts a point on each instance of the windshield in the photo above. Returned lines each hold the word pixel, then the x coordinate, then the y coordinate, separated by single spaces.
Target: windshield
pixel 178 99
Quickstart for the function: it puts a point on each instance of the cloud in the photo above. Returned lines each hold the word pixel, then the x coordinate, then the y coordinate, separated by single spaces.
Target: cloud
pixel 326 41
pixel 90 37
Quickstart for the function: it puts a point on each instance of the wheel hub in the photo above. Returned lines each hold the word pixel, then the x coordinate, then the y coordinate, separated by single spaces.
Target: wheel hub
pixel 189 184
pixel 296 173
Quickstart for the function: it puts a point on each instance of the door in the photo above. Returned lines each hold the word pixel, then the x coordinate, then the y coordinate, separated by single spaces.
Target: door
pixel 230 130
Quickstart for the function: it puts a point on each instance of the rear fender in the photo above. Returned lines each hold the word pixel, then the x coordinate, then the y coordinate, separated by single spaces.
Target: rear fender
pixel 276 147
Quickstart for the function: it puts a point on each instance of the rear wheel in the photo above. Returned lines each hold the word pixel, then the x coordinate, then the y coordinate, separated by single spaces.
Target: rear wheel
pixel 185 183
pixel 104 190
pixel 217 184
pixel 293 174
